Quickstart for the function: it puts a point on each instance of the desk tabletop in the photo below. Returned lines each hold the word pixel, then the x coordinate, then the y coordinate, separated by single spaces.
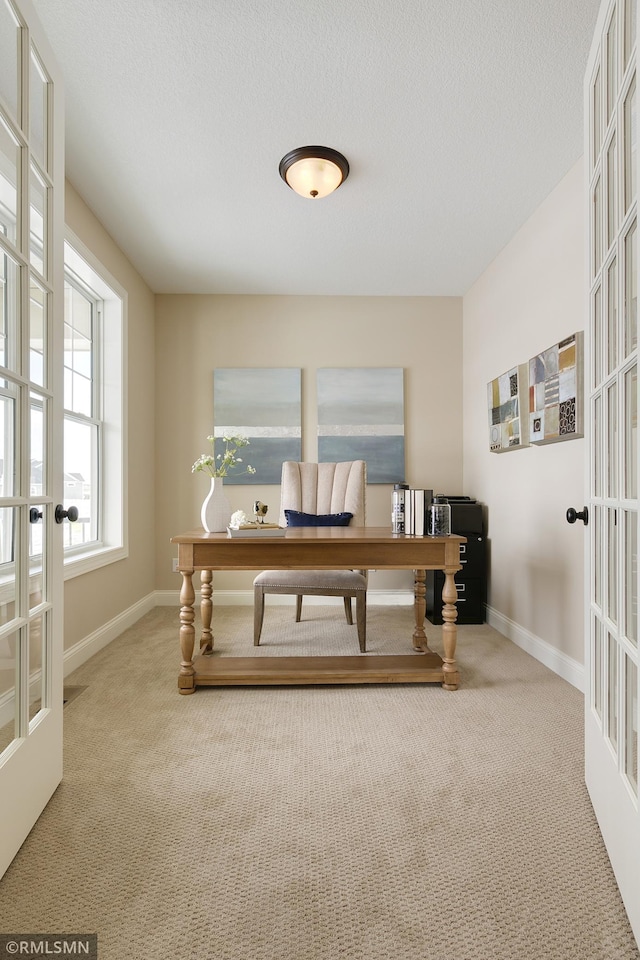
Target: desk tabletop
pixel 359 534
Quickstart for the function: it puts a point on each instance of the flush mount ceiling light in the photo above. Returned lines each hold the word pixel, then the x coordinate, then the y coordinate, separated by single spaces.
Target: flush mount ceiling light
pixel 314 172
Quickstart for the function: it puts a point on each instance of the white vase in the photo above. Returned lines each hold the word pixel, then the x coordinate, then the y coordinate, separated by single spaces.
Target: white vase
pixel 216 510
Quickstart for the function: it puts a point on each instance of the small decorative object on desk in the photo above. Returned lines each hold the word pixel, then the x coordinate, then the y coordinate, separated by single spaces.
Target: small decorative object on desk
pixel 260 511
pixel 241 526
pixel 259 531
pixel 216 509
pixel 439 517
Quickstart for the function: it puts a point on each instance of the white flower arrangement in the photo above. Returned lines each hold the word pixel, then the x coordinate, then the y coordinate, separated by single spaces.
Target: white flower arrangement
pixel 219 465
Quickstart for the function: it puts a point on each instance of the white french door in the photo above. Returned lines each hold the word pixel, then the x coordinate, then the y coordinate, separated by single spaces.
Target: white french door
pixel 31 290
pixel 611 378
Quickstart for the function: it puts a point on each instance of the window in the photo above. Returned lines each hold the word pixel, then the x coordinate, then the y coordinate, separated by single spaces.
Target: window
pixel 94 317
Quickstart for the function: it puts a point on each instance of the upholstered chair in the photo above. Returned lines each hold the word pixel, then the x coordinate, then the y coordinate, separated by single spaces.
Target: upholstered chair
pixel 314 494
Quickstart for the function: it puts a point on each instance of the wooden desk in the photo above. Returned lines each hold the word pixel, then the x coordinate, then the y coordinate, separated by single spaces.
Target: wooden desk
pixel 317 548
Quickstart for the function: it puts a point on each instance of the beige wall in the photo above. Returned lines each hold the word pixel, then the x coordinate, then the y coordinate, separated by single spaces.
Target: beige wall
pixel 531 296
pixel 195 334
pixel 96 598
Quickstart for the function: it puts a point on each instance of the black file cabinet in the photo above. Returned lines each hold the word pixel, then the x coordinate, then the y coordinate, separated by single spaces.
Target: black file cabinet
pixel 471 581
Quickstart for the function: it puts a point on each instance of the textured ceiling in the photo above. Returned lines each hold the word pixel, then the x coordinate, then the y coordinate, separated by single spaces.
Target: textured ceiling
pixel 458 117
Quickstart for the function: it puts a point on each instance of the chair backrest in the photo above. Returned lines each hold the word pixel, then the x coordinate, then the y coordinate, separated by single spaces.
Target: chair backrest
pixel 324 488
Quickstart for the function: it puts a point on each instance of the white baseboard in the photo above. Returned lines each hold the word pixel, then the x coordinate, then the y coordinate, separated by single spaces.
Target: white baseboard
pixel 244 598
pixel 564 666
pixel 80 652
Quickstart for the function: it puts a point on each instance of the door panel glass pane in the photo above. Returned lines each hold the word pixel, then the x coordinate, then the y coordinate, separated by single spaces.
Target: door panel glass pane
pixel 631 576
pixel 8 437
pixel 597 555
pixel 38 93
pixel 38 223
pixel 37 461
pixel 630 453
pixel 596 340
pixel 597 445
pixel 9 309
pixel 37 535
pixel 630 13
pixel 630 146
pixel 9 651
pixel 38 488
pixel 612 440
pixel 597 226
pixel 37 334
pixel 597 666
pixel 9 57
pixel 630 292
pixel 612 691
pixel 37 666
pixel 80 457
pixel 612 317
pixel 596 114
pixel 612 564
pixel 612 64
pixel 631 724
pixel 612 193
pixel 8 558
pixel 9 184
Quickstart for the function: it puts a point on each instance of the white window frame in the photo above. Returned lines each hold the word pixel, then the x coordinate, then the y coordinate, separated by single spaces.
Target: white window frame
pixel 113 543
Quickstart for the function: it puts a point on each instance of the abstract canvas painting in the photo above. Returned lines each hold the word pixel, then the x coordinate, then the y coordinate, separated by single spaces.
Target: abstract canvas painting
pixel 361 417
pixel 555 392
pixel 506 400
pixel 263 404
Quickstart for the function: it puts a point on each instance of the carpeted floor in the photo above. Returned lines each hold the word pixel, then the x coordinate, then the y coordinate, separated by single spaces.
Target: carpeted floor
pixel 320 823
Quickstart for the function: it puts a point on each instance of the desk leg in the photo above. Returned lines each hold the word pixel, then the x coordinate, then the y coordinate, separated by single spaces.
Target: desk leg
pixel 206 607
pixel 449 631
pixel 186 682
pixel 419 609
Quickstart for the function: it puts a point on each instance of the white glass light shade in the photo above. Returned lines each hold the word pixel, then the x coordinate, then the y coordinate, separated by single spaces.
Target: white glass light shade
pixel 314 172
pixel 314 177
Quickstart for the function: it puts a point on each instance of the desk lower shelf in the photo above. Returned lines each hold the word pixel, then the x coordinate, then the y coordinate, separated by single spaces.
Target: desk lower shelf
pixel 211 670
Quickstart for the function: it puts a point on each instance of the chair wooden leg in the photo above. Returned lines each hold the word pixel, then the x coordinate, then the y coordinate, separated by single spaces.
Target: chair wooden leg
pixel 258 614
pixel 298 607
pixel 347 610
pixel 361 619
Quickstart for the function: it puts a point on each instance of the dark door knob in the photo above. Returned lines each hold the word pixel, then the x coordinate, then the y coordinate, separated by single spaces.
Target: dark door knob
pixel 35 515
pixel 573 515
pixel 62 514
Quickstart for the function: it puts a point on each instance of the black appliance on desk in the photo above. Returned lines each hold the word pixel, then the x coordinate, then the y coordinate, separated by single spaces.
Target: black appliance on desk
pixel 467 519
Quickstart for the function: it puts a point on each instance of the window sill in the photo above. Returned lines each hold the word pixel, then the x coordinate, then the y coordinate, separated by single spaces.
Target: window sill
pixel 77 566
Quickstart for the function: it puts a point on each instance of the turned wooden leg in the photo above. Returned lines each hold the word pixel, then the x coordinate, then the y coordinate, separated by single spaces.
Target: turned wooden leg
pixel 419 607
pixel 186 681
pixel 206 609
pixel 449 632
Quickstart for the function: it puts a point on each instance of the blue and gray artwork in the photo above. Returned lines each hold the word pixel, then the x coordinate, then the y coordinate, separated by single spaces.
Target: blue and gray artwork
pixel 264 405
pixel 361 417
